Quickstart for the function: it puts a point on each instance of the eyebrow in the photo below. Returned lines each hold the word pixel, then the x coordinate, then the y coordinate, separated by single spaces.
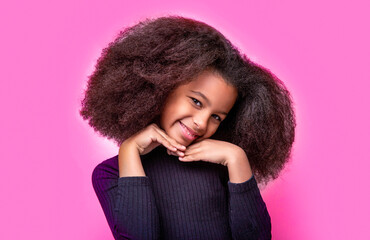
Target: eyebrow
pixel 205 98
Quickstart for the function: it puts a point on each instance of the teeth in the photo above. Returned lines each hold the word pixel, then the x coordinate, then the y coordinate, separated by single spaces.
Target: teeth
pixel 191 135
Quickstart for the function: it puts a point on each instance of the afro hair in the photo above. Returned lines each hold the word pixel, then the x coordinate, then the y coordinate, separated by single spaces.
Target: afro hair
pixel 137 71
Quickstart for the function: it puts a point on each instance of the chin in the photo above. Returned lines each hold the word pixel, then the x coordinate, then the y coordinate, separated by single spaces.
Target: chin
pixel 186 143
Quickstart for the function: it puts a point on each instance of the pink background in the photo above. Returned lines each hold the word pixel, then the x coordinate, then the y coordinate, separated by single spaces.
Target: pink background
pixel 319 48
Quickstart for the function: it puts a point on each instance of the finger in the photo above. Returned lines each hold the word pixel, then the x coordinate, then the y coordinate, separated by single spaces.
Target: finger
pixel 191 149
pixel 194 156
pixel 158 138
pixel 193 146
pixel 180 153
pixel 170 152
pixel 171 140
pixel 177 153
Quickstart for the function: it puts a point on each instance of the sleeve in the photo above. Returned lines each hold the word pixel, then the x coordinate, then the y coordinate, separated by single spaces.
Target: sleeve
pixel 127 202
pixel 248 215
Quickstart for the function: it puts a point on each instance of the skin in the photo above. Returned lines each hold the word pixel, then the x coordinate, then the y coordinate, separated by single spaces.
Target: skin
pixel 200 106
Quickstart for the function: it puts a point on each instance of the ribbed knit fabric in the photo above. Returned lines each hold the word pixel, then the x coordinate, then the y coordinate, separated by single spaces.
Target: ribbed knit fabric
pixel 179 200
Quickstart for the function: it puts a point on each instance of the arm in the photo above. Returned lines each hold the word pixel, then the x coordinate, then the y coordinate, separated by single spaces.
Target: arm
pixel 127 202
pixel 123 189
pixel 248 215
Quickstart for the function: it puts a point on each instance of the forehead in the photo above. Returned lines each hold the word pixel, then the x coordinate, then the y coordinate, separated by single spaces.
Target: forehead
pixel 214 87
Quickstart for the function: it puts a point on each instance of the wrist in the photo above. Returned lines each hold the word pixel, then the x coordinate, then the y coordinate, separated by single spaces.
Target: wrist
pixel 234 156
pixel 238 166
pixel 128 144
pixel 129 160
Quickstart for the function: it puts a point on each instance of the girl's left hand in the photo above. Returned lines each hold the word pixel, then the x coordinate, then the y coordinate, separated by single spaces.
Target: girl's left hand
pixel 211 150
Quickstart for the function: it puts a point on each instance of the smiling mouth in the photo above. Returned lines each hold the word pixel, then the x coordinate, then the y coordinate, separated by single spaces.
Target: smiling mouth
pixel 187 132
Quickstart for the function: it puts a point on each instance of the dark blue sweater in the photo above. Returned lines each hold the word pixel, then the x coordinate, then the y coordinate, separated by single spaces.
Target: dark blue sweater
pixel 179 200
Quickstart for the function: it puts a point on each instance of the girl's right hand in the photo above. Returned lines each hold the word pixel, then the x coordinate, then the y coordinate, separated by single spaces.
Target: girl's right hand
pixel 151 137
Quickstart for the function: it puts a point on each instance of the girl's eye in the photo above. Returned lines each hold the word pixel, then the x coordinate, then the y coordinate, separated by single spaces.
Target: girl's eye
pixel 217 117
pixel 196 102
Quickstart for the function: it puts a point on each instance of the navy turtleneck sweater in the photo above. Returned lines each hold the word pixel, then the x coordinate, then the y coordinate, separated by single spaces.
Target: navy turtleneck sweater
pixel 179 200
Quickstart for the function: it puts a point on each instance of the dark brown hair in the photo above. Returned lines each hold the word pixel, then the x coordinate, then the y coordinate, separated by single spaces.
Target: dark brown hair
pixel 138 70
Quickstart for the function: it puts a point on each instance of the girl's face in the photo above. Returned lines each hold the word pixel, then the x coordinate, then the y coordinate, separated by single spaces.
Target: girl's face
pixel 194 111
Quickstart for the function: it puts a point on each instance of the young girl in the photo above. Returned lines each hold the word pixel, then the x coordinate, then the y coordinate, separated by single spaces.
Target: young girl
pixel 197 123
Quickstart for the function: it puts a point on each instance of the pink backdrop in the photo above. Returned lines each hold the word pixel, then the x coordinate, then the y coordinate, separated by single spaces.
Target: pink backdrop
pixel 319 48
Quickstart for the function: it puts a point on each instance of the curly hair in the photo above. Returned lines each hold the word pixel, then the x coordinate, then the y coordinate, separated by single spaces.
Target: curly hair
pixel 137 71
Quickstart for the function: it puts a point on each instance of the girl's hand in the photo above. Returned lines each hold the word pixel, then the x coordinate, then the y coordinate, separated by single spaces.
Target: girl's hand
pixel 214 151
pixel 225 153
pixel 151 137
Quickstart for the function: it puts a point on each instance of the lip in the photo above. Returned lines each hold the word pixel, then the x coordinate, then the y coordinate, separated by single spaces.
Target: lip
pixel 186 131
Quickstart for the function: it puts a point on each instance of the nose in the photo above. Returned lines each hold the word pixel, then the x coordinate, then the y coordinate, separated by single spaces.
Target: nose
pixel 200 121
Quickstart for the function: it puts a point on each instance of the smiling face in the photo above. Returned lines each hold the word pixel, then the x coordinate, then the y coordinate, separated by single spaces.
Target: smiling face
pixel 194 111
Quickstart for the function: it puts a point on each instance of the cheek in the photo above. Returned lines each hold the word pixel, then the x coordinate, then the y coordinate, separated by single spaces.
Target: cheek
pixel 211 130
pixel 165 118
pixel 180 109
pixel 171 114
pixel 168 112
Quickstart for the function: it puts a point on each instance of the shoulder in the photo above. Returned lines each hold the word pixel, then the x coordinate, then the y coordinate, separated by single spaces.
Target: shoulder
pixel 105 171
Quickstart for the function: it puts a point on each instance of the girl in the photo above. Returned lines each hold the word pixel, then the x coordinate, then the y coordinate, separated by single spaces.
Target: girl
pixel 197 123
